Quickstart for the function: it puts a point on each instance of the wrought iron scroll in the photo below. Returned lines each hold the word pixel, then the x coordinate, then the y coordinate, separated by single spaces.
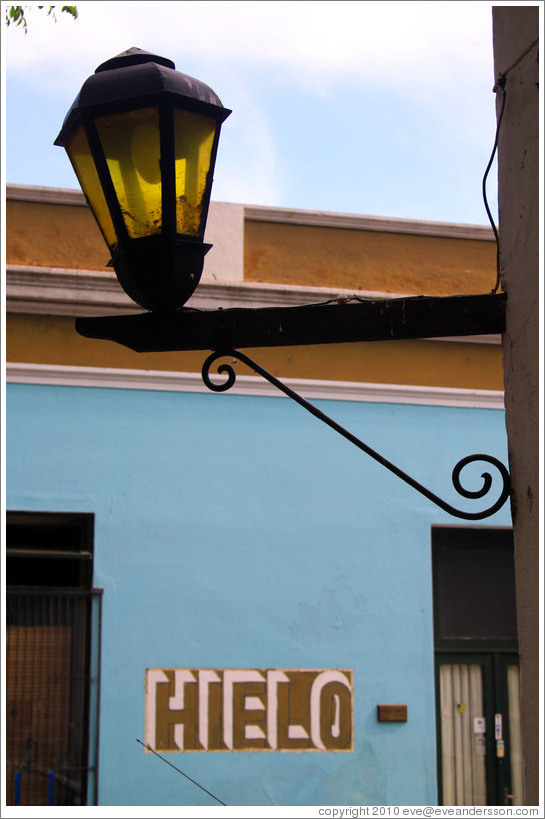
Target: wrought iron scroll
pixel 229 372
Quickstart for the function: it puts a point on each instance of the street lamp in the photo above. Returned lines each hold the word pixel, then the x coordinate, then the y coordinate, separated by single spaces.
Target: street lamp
pixel 142 139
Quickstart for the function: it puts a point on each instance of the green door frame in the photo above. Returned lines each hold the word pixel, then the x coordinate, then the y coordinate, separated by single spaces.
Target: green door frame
pixel 494 664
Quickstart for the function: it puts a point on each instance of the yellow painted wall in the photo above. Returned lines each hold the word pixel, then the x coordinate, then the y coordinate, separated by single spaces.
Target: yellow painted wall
pixel 50 235
pixel 368 260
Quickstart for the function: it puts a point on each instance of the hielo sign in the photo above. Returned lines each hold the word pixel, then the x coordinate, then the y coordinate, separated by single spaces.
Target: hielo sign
pixel 190 709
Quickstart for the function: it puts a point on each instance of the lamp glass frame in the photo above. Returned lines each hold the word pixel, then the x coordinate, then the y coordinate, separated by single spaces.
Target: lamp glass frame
pixel 159 262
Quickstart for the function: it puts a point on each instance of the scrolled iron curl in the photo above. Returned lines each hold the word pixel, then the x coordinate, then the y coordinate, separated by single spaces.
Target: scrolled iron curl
pixel 487 481
pixel 227 369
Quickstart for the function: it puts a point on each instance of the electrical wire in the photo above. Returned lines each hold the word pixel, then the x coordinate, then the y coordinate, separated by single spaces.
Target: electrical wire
pixel 500 84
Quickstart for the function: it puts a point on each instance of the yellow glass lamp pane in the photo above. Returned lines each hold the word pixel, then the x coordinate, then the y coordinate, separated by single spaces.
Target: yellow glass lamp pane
pixel 193 140
pixel 84 167
pixel 131 145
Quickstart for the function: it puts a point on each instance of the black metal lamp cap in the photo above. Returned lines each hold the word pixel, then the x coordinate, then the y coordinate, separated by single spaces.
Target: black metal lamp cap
pixel 135 74
pixel 134 56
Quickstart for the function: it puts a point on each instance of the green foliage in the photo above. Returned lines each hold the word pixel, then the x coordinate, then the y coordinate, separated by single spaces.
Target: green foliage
pixel 16 14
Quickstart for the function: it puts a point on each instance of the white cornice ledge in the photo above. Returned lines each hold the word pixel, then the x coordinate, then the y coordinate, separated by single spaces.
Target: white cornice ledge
pixel 63 291
pixel 74 292
pixel 43 195
pixel 381 224
pixel 58 375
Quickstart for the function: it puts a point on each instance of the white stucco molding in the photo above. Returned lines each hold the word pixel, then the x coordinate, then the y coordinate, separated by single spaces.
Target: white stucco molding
pixel 382 224
pixel 64 291
pixel 225 232
pixel 69 291
pixel 59 375
pixel 72 292
pixel 42 195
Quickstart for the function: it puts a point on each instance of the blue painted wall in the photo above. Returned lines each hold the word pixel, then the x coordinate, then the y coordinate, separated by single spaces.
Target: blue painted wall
pixel 239 532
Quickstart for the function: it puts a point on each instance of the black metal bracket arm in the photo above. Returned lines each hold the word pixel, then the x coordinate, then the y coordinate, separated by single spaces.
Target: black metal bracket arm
pixel 335 322
pixel 228 370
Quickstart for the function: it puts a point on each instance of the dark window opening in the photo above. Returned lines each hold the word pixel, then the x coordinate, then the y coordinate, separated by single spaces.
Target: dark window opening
pixel 474 579
pixel 51 660
pixel 49 550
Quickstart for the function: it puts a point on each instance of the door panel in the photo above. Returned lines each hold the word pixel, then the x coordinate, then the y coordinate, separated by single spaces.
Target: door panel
pixel 479 729
pixel 462 746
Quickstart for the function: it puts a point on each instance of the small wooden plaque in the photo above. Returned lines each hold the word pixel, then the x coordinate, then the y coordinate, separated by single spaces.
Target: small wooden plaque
pixel 392 713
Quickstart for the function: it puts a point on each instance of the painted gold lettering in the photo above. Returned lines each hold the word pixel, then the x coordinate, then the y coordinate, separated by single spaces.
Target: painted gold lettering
pixel 153 678
pixel 206 679
pixel 248 709
pixel 177 703
pixel 230 679
pixel 330 692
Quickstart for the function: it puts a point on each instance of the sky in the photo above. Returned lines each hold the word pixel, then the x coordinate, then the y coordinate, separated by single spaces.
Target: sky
pixel 375 108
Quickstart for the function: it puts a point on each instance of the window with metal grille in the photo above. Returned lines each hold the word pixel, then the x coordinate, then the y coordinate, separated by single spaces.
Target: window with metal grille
pixel 52 660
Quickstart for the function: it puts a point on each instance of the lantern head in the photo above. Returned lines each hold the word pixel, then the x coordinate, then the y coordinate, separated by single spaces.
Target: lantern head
pixel 142 139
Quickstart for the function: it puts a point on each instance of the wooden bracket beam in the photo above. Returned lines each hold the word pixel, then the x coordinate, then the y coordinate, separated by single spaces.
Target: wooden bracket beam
pixel 328 323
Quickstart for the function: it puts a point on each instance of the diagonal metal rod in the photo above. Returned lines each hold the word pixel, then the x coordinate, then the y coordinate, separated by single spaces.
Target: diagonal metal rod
pixel 227 369
pixel 149 748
